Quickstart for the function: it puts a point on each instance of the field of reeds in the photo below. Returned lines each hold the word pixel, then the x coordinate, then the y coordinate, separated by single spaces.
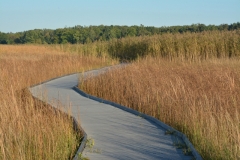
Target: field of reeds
pixel 187 46
pixel 30 129
pixel 189 81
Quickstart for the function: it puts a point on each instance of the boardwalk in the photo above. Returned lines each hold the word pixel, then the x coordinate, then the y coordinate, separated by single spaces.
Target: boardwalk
pixel 116 134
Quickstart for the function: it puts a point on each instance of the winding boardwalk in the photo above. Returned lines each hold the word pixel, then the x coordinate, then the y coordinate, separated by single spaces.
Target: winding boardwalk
pixel 117 134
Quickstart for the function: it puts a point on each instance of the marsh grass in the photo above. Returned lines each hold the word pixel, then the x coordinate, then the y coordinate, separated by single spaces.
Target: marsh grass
pixel 186 46
pixel 190 81
pixel 200 99
pixel 30 129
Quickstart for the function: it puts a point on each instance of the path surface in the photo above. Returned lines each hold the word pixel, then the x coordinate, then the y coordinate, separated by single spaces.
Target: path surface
pixel 117 134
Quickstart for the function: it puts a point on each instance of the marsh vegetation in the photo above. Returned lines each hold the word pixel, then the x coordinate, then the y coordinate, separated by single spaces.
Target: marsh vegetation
pixel 189 81
pixel 30 129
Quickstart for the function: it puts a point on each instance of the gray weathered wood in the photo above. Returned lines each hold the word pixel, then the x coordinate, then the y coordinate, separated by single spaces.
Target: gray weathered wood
pixel 116 134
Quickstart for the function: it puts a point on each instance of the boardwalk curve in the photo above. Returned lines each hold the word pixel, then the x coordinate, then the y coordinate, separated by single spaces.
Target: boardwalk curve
pixel 113 132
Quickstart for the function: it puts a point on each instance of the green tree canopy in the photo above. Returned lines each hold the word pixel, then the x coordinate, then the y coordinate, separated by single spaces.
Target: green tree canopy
pixel 88 34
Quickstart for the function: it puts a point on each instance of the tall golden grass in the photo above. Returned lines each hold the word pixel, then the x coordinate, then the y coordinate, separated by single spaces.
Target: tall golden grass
pixel 186 46
pixel 198 99
pixel 30 129
pixel 189 81
pixel 175 85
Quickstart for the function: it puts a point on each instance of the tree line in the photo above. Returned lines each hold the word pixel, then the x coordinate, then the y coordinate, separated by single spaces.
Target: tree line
pixel 88 34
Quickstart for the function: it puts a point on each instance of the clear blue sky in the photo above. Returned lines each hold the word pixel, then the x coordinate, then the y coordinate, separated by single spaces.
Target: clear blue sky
pixel 21 15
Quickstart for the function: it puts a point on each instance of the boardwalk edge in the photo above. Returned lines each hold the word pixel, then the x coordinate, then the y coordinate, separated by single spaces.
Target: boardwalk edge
pixel 76 126
pixel 167 127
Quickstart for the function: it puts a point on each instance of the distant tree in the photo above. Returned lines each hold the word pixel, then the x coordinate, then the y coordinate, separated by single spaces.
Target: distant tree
pixel 124 31
pixel 87 34
pixel 91 34
pixel 3 38
pixel 201 27
pixel 211 27
pixel 234 26
pixel 76 37
pixel 132 31
pixel 28 37
pixel 223 27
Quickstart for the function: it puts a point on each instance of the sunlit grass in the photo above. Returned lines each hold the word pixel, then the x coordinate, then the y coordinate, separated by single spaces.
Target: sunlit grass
pixel 198 99
pixel 30 129
pixel 190 81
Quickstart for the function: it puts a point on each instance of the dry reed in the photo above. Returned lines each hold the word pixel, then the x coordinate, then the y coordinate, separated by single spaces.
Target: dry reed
pixel 186 46
pixel 189 81
pixel 200 99
pixel 30 129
